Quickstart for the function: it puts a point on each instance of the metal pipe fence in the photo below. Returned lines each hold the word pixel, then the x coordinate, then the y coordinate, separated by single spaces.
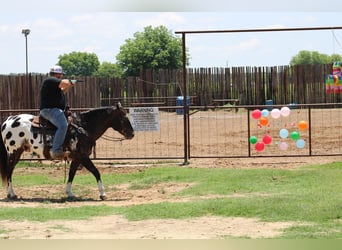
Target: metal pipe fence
pixel 221 132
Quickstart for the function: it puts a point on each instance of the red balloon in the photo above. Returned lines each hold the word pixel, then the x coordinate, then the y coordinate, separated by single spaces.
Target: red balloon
pixel 256 114
pixel 259 146
pixel 267 139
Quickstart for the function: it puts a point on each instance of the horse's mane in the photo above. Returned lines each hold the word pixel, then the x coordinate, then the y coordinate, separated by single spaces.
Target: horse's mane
pixel 95 111
pixel 92 114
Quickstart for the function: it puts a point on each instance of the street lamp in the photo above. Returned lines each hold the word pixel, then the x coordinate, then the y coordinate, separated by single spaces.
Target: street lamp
pixel 26 32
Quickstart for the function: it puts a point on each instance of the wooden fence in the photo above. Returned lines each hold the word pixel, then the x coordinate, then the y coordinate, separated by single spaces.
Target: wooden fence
pixel 301 84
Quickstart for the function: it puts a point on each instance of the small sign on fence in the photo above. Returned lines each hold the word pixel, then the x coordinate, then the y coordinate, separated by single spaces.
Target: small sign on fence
pixel 145 119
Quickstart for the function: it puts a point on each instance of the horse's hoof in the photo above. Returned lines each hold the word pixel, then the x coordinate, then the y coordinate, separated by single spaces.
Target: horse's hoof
pixel 71 198
pixel 103 197
pixel 12 198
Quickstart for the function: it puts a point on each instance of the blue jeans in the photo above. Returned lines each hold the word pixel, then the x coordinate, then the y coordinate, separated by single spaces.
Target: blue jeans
pixel 56 117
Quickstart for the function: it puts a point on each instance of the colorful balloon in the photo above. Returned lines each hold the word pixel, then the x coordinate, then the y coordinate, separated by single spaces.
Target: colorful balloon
pixel 295 135
pixel 285 111
pixel 275 113
pixel 302 125
pixel 300 143
pixel 283 133
pixel 263 121
pixel 267 139
pixel 256 114
pixel 253 139
pixel 259 146
pixel 264 113
pixel 283 145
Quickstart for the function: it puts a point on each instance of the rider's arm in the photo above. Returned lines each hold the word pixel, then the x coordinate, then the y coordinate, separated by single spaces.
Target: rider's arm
pixel 65 84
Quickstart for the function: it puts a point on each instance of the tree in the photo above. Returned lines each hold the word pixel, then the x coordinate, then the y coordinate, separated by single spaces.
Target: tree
pixel 107 69
pixel 336 58
pixel 154 48
pixel 79 63
pixel 313 57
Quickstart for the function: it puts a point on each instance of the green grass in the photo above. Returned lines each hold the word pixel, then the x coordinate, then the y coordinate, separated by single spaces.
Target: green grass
pixel 310 196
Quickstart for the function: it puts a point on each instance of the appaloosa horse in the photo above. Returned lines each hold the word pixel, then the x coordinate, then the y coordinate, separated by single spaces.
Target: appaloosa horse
pixel 18 135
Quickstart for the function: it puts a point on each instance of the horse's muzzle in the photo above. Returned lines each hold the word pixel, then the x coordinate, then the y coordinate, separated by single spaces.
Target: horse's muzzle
pixel 129 136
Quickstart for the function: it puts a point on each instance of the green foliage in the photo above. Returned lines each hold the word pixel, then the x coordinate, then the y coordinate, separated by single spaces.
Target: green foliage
pixel 314 57
pixel 107 69
pixel 79 63
pixel 154 48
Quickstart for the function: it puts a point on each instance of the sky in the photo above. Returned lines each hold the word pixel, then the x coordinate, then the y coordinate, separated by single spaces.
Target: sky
pixel 102 26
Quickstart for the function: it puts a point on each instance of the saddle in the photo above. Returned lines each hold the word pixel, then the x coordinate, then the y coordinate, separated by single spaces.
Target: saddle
pixel 44 127
pixel 39 123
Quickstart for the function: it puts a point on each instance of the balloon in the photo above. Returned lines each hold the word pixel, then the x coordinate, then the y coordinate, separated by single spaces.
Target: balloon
pixel 283 133
pixel 302 125
pixel 259 146
pixel 265 113
pixel 285 111
pixel 295 135
pixel 263 121
pixel 253 139
pixel 300 143
pixel 283 145
pixel 267 139
pixel 275 113
pixel 256 114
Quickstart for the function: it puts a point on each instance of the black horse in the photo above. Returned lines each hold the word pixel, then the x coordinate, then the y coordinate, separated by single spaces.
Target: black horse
pixel 18 135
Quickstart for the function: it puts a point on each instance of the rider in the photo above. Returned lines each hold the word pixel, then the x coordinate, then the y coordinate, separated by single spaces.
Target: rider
pixel 52 105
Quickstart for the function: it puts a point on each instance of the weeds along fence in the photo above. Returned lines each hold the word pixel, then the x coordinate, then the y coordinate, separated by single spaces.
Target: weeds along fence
pixel 300 84
pixel 221 132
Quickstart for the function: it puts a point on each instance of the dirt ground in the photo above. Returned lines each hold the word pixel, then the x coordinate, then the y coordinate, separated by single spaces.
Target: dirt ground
pixel 117 227
pixel 212 133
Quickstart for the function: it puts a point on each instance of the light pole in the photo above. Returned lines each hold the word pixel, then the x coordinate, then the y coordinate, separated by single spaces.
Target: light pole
pixel 26 32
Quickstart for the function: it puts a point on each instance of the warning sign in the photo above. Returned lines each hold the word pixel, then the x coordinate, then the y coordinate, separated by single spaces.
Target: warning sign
pixel 145 119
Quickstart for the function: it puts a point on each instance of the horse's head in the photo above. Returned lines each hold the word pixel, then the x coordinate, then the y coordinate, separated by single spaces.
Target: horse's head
pixel 121 123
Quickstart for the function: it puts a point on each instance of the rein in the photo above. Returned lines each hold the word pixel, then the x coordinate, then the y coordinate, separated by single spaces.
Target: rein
pixel 110 138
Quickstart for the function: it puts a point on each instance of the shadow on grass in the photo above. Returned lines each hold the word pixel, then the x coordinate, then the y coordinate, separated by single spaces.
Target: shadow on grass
pixel 60 200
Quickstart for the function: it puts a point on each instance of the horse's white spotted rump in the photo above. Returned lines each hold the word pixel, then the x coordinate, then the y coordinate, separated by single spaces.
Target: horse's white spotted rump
pixel 16 133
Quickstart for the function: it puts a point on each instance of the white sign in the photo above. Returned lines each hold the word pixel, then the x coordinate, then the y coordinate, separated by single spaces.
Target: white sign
pixel 144 119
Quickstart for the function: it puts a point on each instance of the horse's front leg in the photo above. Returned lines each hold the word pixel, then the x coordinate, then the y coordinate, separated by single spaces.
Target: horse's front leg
pixel 88 164
pixel 73 168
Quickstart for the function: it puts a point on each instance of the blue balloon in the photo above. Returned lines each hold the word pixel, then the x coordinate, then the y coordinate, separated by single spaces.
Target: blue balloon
pixel 265 113
pixel 283 133
pixel 300 143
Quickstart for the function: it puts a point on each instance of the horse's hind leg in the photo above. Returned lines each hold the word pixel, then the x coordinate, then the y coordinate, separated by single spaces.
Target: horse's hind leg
pixel 12 161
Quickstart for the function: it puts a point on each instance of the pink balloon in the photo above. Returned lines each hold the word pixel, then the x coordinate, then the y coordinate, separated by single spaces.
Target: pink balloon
pixel 285 111
pixel 256 114
pixel 259 146
pixel 283 145
pixel 275 113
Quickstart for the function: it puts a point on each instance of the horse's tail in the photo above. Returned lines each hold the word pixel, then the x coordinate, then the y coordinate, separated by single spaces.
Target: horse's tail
pixel 4 168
